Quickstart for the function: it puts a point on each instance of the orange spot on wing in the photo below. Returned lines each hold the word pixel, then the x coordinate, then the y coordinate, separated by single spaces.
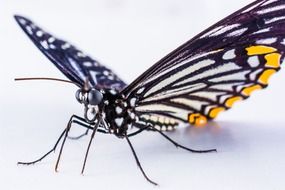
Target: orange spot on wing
pixel 273 60
pixel 248 90
pixel 265 76
pixel 230 102
pixel 259 50
pixel 197 119
pixel 215 112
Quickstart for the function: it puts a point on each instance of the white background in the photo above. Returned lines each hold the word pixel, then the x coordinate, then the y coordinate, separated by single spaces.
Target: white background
pixel 128 36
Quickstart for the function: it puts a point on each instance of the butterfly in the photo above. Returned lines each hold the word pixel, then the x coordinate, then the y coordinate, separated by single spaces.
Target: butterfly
pixel 192 84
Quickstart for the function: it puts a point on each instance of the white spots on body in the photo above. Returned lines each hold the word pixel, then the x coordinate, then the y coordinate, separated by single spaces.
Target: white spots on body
pixel 133 102
pixel 44 44
pixel 229 55
pixel 132 115
pixel 253 61
pixel 112 91
pixel 119 121
pixel 267 41
pixel 119 110
pixel 271 9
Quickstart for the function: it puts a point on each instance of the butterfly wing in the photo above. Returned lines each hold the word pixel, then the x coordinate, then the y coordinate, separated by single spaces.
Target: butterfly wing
pixel 218 67
pixel 73 63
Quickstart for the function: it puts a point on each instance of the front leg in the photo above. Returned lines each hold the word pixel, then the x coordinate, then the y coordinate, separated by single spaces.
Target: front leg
pixel 73 119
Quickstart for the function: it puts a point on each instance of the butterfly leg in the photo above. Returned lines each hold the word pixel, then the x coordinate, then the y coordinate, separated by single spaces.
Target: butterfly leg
pixel 45 155
pixel 69 124
pixel 91 138
pixel 79 136
pixel 138 162
pixel 181 146
pixel 78 121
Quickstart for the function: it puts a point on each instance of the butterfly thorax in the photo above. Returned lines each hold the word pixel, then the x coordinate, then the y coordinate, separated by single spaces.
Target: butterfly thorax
pixel 119 113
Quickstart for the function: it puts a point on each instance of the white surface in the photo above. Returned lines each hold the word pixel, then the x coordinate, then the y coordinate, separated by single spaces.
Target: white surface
pixel 128 36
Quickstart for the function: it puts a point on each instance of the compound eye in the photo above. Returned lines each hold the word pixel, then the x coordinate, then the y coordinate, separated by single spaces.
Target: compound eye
pixel 94 97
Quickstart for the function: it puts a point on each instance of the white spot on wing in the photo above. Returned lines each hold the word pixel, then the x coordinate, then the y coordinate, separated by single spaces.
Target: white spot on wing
pixel 76 68
pixel 263 30
pixel 211 72
pixel 51 39
pixel 237 32
pixel 29 30
pixel 267 41
pixel 39 33
pixel 275 19
pixel 229 54
pixel 87 64
pixel 234 76
pixel 225 29
pixel 253 61
pixel 65 46
pixel 271 9
pixel 196 104
pixel 44 44
pixel 178 75
pixel 253 75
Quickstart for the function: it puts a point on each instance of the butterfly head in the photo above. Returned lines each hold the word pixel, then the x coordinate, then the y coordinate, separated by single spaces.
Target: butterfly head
pixel 90 99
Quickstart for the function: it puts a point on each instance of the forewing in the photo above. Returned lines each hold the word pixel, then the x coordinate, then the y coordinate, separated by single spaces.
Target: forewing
pixel 220 66
pixel 73 63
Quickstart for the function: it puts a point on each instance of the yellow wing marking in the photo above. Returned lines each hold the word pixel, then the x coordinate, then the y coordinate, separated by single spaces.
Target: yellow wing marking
pixel 259 50
pixel 273 60
pixel 197 119
pixel 215 112
pixel 230 102
pixel 248 90
pixel 265 76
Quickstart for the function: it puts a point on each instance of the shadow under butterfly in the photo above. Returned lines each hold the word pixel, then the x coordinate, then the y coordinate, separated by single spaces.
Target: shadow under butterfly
pixel 192 84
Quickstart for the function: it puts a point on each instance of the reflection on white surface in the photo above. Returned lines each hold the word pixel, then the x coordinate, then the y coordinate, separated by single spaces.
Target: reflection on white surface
pixel 250 138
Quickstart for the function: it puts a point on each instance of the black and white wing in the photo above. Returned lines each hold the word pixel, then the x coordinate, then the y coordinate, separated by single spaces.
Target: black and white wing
pixel 212 71
pixel 73 63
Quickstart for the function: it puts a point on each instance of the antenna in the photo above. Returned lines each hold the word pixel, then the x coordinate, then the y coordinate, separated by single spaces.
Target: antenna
pixel 46 78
